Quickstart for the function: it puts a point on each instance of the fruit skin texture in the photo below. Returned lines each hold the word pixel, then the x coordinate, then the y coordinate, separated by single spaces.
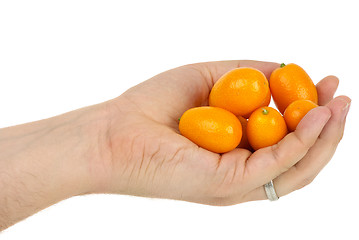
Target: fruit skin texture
pixel 264 104
pixel 244 141
pixel 266 127
pixel 296 111
pixel 266 100
pixel 240 91
pixel 291 83
pixel 212 128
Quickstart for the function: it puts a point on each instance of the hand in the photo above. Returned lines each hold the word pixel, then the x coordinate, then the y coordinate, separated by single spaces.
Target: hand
pixel 131 145
pixel 145 155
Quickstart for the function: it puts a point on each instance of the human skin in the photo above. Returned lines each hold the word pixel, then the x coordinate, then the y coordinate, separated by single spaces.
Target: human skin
pixel 131 145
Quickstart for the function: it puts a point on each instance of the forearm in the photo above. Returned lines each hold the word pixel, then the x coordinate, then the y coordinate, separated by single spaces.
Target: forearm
pixel 44 162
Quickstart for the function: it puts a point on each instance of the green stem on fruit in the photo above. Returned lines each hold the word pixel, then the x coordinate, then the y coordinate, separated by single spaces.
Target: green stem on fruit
pixel 282 65
pixel 179 119
pixel 265 111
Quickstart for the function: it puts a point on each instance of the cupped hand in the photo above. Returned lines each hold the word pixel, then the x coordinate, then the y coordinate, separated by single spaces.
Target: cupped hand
pixel 145 155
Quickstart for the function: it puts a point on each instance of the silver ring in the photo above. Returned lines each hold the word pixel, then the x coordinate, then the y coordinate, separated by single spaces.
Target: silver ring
pixel 270 191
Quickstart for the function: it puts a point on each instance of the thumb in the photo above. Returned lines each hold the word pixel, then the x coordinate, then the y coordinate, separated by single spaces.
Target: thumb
pixel 212 71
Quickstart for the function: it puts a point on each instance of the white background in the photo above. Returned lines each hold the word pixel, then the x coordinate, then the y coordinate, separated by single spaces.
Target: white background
pixel 56 56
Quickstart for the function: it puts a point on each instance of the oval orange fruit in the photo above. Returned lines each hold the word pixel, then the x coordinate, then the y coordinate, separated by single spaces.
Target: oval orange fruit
pixel 289 83
pixel 266 127
pixel 212 128
pixel 264 104
pixel 296 111
pixel 240 91
pixel 267 99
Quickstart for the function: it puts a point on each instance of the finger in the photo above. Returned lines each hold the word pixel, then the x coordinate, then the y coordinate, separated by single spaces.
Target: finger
pixel 326 89
pixel 320 154
pixel 212 71
pixel 317 157
pixel 268 163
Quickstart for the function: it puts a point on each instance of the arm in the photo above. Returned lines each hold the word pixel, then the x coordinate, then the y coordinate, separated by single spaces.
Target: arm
pixel 131 145
pixel 44 162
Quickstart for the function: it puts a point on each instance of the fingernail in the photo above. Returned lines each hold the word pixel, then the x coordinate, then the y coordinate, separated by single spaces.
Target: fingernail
pixel 345 111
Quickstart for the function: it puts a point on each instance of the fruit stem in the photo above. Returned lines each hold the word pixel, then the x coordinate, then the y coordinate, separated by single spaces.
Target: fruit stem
pixel 179 119
pixel 265 111
pixel 282 65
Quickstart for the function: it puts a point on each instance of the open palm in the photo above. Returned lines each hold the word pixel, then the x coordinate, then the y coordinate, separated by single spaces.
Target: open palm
pixel 148 157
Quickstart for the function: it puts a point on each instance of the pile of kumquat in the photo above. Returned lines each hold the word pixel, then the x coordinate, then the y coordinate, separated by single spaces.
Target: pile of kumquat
pixel 238 114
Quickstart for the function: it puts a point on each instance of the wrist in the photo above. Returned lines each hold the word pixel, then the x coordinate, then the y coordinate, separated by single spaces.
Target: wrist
pixel 86 167
pixel 78 147
pixel 44 162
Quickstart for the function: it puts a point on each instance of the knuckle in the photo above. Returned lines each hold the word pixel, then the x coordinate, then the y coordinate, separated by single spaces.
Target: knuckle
pixel 278 158
pixel 304 182
pixel 275 153
pixel 303 144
